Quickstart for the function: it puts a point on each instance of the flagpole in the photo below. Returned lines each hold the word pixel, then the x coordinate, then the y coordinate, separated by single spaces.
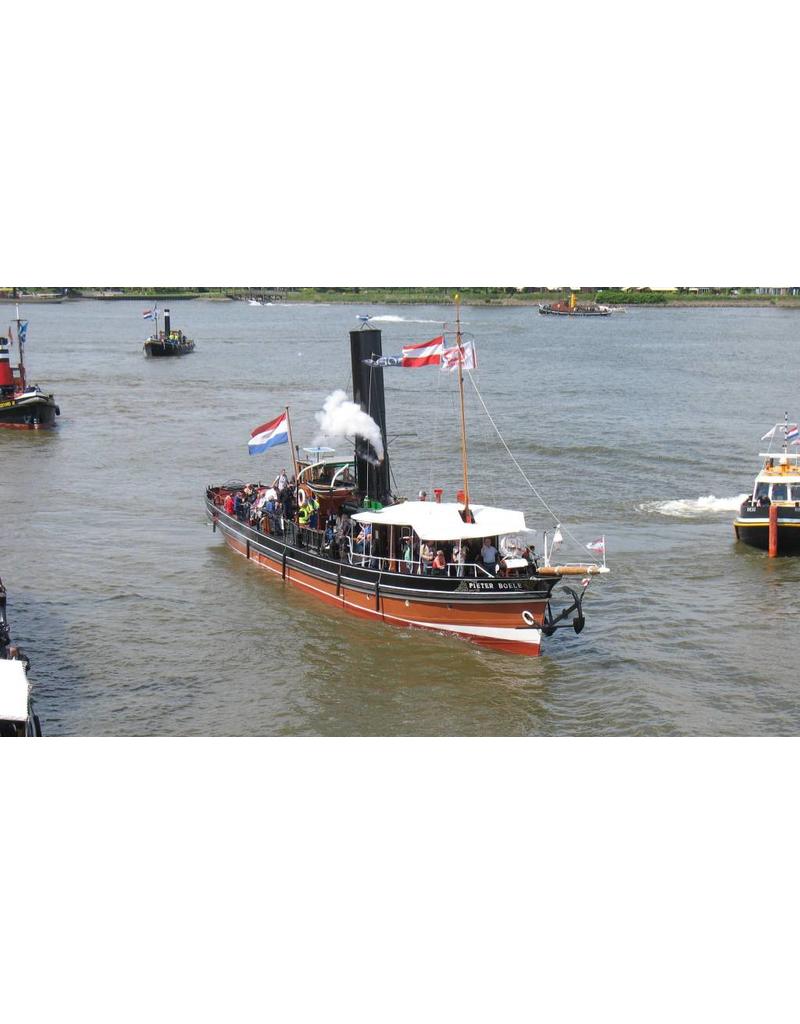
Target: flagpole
pixel 463 419
pixel 291 444
pixel 21 366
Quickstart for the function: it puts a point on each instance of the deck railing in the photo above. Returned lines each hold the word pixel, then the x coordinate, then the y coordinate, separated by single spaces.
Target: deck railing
pixel 314 541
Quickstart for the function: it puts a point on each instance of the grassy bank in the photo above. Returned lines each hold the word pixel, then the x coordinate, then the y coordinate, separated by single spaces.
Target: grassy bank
pixel 684 297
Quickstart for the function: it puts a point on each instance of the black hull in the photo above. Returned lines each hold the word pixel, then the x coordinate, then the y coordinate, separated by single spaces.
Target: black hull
pixel 751 527
pixel 29 413
pixel 758 537
pixel 163 348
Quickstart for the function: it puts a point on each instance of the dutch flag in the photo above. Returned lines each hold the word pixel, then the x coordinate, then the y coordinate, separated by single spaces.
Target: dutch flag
pixel 150 314
pixel 269 434
pixel 792 433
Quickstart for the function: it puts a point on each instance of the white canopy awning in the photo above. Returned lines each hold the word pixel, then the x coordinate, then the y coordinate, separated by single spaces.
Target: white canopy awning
pixel 13 691
pixel 432 520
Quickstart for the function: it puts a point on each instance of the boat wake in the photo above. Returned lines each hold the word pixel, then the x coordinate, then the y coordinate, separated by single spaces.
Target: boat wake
pixel 690 508
pixel 390 319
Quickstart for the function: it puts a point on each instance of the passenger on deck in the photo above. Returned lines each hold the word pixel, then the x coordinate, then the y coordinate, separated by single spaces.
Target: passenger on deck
pixel 459 557
pixel 305 513
pixel 407 555
pixel 282 482
pixel 227 505
pixel 363 539
pixel 439 564
pixel 489 556
pixel 288 503
pixel 425 558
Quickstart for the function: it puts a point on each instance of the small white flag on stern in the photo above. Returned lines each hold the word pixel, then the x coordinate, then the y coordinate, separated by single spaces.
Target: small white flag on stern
pixel 558 539
pixel 597 545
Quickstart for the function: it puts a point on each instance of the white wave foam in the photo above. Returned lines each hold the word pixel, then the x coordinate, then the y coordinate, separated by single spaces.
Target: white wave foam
pixel 390 319
pixel 689 508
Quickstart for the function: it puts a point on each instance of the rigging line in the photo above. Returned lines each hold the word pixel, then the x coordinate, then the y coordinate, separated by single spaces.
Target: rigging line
pixel 556 518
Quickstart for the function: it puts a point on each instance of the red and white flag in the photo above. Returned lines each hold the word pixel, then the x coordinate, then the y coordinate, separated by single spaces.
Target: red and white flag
pixel 429 353
pixel 597 545
pixel 466 355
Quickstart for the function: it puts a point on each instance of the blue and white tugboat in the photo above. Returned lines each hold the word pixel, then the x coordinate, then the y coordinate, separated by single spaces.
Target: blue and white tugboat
pixel 769 518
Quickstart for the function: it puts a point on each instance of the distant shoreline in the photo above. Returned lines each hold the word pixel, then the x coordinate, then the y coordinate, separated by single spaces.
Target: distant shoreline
pixel 389 298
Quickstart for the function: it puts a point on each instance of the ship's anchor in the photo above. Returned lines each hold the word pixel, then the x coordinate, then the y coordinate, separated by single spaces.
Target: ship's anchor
pixel 552 623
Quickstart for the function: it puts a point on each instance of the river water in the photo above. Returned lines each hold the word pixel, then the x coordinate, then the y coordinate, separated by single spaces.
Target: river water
pixel 643 427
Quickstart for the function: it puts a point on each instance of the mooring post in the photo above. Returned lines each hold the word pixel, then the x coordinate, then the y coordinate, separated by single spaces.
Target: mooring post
pixel 773 531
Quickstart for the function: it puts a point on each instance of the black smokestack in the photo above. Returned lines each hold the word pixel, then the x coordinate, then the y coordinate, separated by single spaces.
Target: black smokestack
pixel 166 323
pixel 372 477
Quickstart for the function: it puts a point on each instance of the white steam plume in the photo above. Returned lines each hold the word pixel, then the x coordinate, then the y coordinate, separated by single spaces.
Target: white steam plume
pixel 342 418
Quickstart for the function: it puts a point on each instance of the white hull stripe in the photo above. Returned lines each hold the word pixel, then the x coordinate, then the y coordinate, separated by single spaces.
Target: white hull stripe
pixel 521 635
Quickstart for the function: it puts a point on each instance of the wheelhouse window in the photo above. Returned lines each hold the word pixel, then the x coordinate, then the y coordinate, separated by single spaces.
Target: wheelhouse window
pixel 762 490
pixel 779 492
pixel 795 492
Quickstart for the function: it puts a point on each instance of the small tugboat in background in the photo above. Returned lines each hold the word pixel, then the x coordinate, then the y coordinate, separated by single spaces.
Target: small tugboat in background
pixel 571 308
pixel 770 517
pixel 17 717
pixel 23 406
pixel 167 342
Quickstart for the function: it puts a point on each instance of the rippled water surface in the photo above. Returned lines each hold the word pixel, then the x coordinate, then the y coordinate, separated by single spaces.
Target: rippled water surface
pixel 642 426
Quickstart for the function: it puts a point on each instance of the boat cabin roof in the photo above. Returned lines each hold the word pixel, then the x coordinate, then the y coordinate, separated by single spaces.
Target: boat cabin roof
pixel 433 520
pixel 13 691
pixel 778 466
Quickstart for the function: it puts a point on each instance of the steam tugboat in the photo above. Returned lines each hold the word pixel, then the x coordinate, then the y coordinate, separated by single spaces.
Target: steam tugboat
pixel 167 342
pixel 374 563
pixel 23 406
pixel 769 518
pixel 571 308
pixel 17 717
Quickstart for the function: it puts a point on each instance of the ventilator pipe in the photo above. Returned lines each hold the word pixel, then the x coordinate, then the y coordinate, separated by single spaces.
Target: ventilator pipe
pixel 773 531
pixel 437 493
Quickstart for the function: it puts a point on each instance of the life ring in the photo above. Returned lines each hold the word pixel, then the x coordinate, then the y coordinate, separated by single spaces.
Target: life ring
pixel 302 497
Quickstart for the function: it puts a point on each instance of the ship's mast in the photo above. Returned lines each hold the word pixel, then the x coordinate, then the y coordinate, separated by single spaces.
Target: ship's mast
pixel 20 346
pixel 291 444
pixel 463 419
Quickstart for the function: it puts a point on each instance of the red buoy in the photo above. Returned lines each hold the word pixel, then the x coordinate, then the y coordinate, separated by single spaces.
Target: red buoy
pixel 773 531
